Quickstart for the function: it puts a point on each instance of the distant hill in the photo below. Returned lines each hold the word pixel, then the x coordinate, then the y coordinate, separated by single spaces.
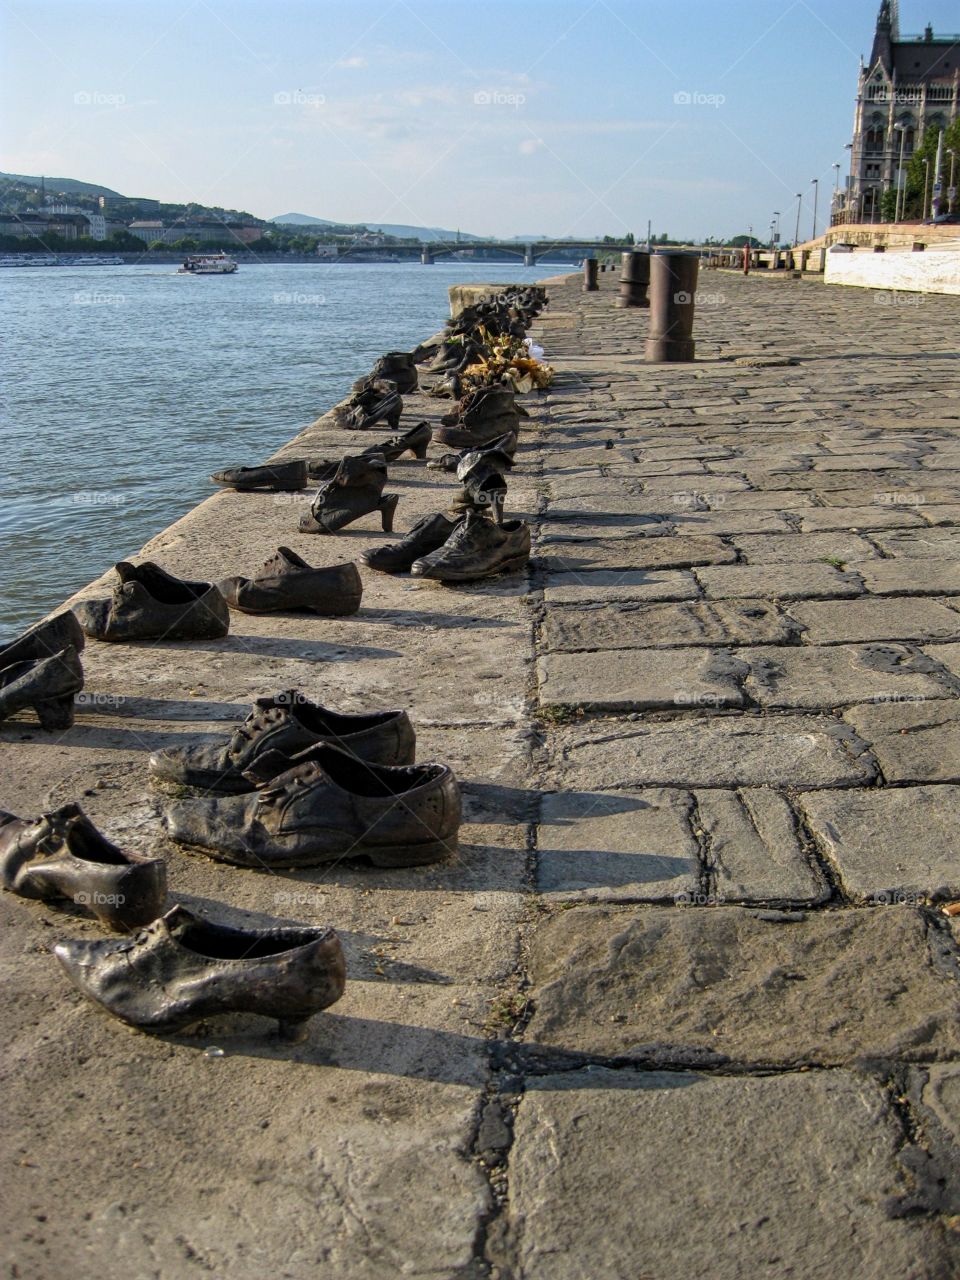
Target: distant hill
pixel 388 228
pixel 69 185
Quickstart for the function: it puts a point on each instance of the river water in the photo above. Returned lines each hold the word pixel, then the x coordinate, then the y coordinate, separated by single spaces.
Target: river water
pixel 124 387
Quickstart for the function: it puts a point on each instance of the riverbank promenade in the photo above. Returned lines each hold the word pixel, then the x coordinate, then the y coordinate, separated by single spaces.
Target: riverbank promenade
pixel 685 1004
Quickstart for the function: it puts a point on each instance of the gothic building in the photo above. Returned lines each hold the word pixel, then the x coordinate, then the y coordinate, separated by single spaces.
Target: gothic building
pixel 910 84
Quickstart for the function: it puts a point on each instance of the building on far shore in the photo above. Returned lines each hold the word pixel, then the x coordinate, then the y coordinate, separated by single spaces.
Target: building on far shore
pixel 909 85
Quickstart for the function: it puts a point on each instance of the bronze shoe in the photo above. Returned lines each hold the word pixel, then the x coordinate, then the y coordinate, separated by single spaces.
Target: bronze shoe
pixel 46 685
pixel 329 806
pixel 281 727
pixel 286 582
pixel 272 477
pixel 62 855
pixel 180 969
pixel 150 604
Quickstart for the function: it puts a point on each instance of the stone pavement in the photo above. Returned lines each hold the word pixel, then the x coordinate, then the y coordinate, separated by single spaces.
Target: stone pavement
pixel 685 1005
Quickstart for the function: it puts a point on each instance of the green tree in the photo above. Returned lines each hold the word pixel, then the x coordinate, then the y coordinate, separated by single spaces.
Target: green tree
pixel 917 172
pixel 186 244
pixel 888 204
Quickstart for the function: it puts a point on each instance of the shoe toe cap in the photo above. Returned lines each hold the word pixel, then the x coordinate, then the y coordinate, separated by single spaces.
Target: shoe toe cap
pixel 93 616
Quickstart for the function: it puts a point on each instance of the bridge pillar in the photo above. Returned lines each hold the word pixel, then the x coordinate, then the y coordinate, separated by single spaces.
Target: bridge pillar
pixel 634 278
pixel 673 288
pixel 528 259
pixel 426 257
pixel 590 267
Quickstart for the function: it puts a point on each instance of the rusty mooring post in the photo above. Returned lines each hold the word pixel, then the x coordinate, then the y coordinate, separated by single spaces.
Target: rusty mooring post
pixel 673 288
pixel 634 278
pixel 590 275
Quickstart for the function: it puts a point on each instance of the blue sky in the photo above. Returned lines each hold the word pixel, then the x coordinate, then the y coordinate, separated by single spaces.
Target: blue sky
pixel 499 118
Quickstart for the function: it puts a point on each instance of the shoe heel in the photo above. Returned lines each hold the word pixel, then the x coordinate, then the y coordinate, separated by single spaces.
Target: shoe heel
pixel 55 714
pixel 420 450
pixel 387 506
pixel 293 1030
pixel 393 419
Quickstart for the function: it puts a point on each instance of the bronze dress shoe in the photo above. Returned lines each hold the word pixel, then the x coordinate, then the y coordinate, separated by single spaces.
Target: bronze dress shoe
pixel 180 969
pixel 281 727
pixel 328 806
pixel 427 535
pixel 62 855
pixel 477 548
pixel 62 631
pixel 272 477
pixel 150 604
pixel 286 581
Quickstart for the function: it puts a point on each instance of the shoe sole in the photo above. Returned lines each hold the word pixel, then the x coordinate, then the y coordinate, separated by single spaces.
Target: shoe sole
pixel 513 565
pixel 417 855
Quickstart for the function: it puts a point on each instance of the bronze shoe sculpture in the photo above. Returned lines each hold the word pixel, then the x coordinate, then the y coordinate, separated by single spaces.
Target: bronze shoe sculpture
pixel 62 631
pixel 399 368
pixel 281 727
pixel 62 855
pixel 480 418
pixel 286 582
pixel 414 441
pixel 477 548
pixel 45 685
pixel 327 806
pixel 150 604
pixel 426 535
pixel 354 492
pixel 181 968
pixel 272 477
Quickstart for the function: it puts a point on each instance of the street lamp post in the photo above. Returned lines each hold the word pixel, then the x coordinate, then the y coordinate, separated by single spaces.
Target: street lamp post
pixel 902 128
pixel 816 194
pixel 926 182
pixel 849 196
pixel 796 234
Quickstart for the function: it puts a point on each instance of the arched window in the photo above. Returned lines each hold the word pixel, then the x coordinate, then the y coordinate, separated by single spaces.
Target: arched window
pixel 909 134
pixel 873 140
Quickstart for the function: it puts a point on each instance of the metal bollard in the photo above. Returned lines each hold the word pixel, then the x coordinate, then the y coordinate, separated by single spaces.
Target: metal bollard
pixel 673 287
pixel 634 279
pixel 590 266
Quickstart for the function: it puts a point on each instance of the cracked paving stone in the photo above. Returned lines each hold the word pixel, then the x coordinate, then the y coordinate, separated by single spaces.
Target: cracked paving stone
pixel 835 675
pixel 922 544
pixel 786 1175
pixel 719 751
pixel 754 854
pixel 606 846
pixel 912 741
pixel 634 679
pixel 898 841
pixel 666 984
pixel 642 626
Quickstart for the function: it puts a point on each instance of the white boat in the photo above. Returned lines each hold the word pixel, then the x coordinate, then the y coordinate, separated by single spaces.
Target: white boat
pixel 207 264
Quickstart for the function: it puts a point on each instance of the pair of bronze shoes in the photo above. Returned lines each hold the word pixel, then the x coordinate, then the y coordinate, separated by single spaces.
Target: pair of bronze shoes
pixel 300 785
pixel 178 968
pixel 41 671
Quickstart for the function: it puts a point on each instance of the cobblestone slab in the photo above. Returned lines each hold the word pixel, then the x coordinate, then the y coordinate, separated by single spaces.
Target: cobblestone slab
pixel 753 852
pixel 778 581
pixel 908 577
pixel 912 741
pixel 810 548
pixel 625 584
pixel 830 622
pixel 638 626
pixel 721 751
pixel 838 675
pixel 710 1143
pixel 565 551
pixel 668 983
pixel 635 846
pixel 892 843
pixel 634 679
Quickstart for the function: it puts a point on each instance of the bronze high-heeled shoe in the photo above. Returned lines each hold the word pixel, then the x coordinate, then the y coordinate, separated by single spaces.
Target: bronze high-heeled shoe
pixel 181 968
